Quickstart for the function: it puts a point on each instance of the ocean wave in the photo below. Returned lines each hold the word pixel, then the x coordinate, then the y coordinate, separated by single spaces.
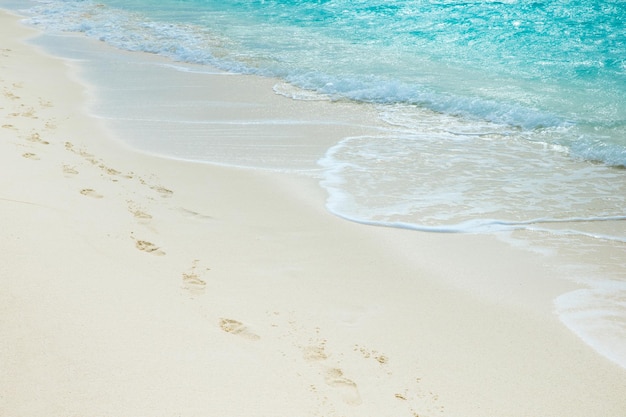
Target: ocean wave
pixel 195 44
pixel 373 89
pixel 132 32
pixel 198 44
pixel 594 149
pixel 474 180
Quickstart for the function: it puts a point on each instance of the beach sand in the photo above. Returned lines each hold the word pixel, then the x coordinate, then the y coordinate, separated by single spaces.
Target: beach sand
pixel 133 285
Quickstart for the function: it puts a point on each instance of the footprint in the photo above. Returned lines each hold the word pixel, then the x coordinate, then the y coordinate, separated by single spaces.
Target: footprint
pixel 158 188
pixel 137 212
pixel 108 170
pixel 89 157
pixel 148 247
pixel 192 281
pixel 35 137
pixel 334 377
pixel 10 95
pixel 29 155
pixel 163 191
pixel 69 170
pixel 377 356
pixel 45 103
pixel 381 359
pixel 238 328
pixel 418 402
pixel 315 353
pixel 90 193
pixel 28 112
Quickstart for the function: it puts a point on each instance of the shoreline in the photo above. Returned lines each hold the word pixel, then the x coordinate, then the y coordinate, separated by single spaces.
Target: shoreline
pixel 138 285
pixel 199 113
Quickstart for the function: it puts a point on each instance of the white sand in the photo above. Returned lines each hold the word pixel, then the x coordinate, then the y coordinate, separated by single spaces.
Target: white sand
pixel 137 286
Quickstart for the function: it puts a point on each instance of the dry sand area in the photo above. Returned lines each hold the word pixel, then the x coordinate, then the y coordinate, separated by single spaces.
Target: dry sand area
pixel 137 286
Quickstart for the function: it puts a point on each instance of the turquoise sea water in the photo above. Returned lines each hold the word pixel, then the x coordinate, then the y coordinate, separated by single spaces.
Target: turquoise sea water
pixel 529 65
pixel 500 115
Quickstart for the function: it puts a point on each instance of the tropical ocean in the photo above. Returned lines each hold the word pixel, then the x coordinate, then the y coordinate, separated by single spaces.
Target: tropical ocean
pixel 504 117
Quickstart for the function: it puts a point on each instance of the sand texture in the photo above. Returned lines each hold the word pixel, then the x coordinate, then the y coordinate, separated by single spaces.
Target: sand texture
pixel 132 285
